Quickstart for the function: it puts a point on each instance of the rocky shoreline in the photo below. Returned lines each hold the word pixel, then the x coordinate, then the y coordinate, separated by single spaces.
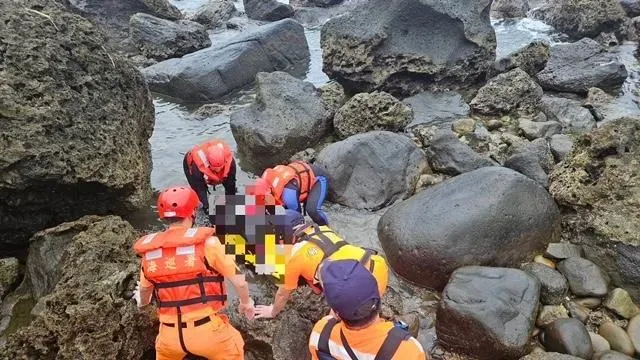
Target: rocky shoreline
pixel 507 188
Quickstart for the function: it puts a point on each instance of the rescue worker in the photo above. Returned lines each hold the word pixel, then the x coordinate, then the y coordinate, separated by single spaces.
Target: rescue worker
pixel 313 245
pixel 355 330
pixel 185 268
pixel 295 184
pixel 211 163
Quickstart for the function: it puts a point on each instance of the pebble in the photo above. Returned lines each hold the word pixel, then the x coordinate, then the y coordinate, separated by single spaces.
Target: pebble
pixel 611 355
pixel 551 313
pixel 599 343
pixel 585 278
pixel 589 303
pixel 561 251
pixel 577 311
pixel 633 330
pixel 464 126
pixel 568 336
pixel 617 338
pixel 493 124
pixel 544 261
pixel 553 286
pixel 619 301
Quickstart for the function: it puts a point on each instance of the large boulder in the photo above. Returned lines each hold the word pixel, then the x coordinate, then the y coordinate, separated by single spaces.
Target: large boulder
pixel 509 9
pixel 437 108
pixel 448 155
pixel 599 183
pixel 531 59
pixel 492 216
pixel 511 92
pixel 76 123
pixel 375 111
pixel 578 66
pixel 372 170
pixel 585 18
pixel 381 45
pixel 267 10
pixel 211 73
pixel 214 13
pixel 287 116
pixel 163 39
pixel 570 113
pixel 89 313
pixel 497 305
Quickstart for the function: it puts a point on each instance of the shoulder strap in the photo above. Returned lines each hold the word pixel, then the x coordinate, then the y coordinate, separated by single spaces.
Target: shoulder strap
pixel 323 341
pixel 322 241
pixel 347 347
pixel 395 336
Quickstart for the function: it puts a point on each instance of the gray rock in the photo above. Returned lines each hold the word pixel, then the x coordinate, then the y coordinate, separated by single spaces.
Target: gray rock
pixel 568 336
pixel 619 301
pixel 589 303
pixel 633 330
pixel 511 92
pixel 617 338
pixel 448 155
pixel 497 305
pixel 585 18
pixel 607 39
pixel 533 130
pixel 561 145
pixel 318 3
pixel 611 355
pixel 306 155
pixel 531 58
pixel 211 73
pixel 578 66
pixel 604 107
pixel 509 9
pixel 585 278
pixel 9 275
pixel 371 111
pixel 553 286
pixel 267 10
pixel 528 164
pixel 631 7
pixel 599 343
pixel 396 57
pixel 214 13
pixel 570 113
pixel 541 148
pixel 550 313
pixel 372 170
pixel 578 311
pixel 287 116
pixel 561 251
pixel 437 108
pixel 163 39
pixel 549 356
pixel 465 221
pixel 333 96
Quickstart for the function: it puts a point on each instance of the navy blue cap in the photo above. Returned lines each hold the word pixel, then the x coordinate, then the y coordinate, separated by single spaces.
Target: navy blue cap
pixel 350 289
pixel 292 219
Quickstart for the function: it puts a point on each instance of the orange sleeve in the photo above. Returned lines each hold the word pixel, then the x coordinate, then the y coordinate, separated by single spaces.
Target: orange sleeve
pixel 410 350
pixel 292 271
pixel 215 254
pixel 144 283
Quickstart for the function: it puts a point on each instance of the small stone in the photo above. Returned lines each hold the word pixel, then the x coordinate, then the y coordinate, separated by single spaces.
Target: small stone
pixel 585 278
pixel 617 338
pixel 553 286
pixel 599 343
pixel 534 130
pixel 589 303
pixel 544 261
pixel 568 336
pixel 463 126
pixel 561 145
pixel 611 355
pixel 561 251
pixel 633 330
pixel 551 313
pixel 427 180
pixel 9 274
pixel 619 301
pixel 578 311
pixel 541 117
pixel 493 124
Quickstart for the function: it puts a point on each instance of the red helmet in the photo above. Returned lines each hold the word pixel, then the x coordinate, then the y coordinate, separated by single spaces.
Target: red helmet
pixel 216 157
pixel 178 202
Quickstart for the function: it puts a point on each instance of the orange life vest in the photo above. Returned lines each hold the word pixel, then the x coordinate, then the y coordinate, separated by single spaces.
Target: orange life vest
pixel 174 262
pixel 199 155
pixel 279 176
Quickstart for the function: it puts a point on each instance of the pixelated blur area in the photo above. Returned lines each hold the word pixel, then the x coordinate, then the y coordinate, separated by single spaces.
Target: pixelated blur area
pixel 252 229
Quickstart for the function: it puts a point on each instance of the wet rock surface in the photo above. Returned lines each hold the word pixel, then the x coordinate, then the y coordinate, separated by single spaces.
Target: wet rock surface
pixel 288 115
pixel 211 73
pixel 372 170
pixel 76 124
pixel 509 9
pixel 511 92
pixel 463 221
pixel 371 111
pixel 553 286
pixel 448 155
pixel 214 13
pixel 382 46
pixel 570 113
pixel 585 18
pixel 267 10
pixel 495 304
pixel 437 108
pixel 568 336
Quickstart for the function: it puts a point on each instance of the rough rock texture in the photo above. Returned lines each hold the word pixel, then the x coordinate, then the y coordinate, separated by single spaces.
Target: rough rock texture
pixel 511 92
pixel 568 336
pixel 531 58
pixel 497 305
pixel 448 155
pixel 288 115
pixel 585 278
pixel 549 356
pixel 573 117
pixel 89 314
pixel 553 286
pixel 534 130
pixel 581 65
pixel 333 96
pixel 631 7
pixel 267 10
pixel 477 218
pixel 509 9
pixel 318 3
pixel 561 145
pixel 163 39
pixel 585 18
pixel 621 303
pixel 75 123
pixel 211 73
pixel 381 44
pixel 371 111
pixel 437 108
pixel 372 170
pixel 599 183
pixel 604 107
pixel 527 163
pixel 9 275
pixel 214 13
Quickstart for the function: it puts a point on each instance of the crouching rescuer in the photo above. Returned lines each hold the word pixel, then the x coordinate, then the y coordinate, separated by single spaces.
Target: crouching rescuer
pixel 184 269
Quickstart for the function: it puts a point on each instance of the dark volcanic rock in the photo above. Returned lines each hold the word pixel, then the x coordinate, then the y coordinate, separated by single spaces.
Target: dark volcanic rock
pixel 267 10
pixel 491 216
pixel 568 336
pixel 511 92
pixel 214 13
pixel 76 123
pixel 585 278
pixel 381 45
pixel 448 155
pixel 375 111
pixel 437 108
pixel 585 18
pixel 553 286
pixel 527 163
pixel 573 117
pixel 531 59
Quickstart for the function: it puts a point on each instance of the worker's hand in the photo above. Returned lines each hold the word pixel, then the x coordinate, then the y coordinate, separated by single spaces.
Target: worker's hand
pixel 265 312
pixel 136 294
pixel 247 309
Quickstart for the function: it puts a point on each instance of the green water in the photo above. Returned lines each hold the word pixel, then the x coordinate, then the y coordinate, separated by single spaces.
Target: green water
pixel 21 315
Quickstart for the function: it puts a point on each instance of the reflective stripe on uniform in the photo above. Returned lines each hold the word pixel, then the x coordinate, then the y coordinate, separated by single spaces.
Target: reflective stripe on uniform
pixel 203 157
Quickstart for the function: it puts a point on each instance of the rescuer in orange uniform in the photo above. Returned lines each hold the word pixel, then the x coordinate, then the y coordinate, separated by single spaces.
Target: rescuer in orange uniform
pixel 211 163
pixel 296 183
pixel 185 269
pixel 355 330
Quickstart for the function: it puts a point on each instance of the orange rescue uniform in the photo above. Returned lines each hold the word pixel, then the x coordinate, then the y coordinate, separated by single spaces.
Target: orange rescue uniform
pixel 198 155
pixel 279 176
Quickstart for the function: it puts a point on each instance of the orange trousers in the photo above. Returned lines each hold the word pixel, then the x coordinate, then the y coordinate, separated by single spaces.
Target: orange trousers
pixel 215 340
